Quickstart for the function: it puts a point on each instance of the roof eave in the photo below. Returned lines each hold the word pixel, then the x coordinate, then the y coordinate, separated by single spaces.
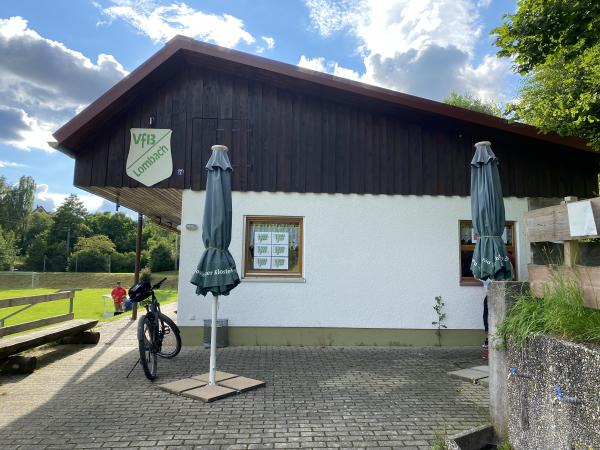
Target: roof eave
pixel 399 99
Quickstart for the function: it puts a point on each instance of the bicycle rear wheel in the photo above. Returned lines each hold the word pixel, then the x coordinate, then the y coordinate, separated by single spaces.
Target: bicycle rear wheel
pixel 171 340
pixel 148 358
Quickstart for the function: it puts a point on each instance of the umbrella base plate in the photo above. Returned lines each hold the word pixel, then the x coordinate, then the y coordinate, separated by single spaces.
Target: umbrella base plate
pixel 242 384
pixel 209 393
pixel 197 387
pixel 219 376
pixel 179 386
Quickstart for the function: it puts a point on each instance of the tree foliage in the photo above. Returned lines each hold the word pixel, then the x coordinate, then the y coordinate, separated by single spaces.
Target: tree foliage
pixel 161 256
pixel 69 221
pixel 8 249
pixel 16 203
pixel 119 228
pixel 543 28
pixel 39 222
pixel 469 101
pixel 556 45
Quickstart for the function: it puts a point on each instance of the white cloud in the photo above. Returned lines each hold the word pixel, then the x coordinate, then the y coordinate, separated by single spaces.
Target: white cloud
pixel 52 200
pixel 321 65
pixel 43 83
pixel 269 41
pixel 424 48
pixel 17 128
pixel 161 23
pixel 10 164
pixel 344 72
pixel 312 63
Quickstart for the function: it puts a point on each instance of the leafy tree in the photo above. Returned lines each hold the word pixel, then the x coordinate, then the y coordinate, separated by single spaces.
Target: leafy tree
pixel 36 250
pixel 473 103
pixel 543 28
pixel 120 228
pixel 15 205
pixel 123 262
pixel 161 257
pixel 556 45
pixel 8 249
pixel 39 222
pixel 91 254
pixel 69 221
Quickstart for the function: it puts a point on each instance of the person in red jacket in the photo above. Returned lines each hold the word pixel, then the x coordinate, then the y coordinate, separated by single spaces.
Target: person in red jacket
pixel 118 294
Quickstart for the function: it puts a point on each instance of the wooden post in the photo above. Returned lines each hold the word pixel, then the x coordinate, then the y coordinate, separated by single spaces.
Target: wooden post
pixel 571 247
pixel 138 257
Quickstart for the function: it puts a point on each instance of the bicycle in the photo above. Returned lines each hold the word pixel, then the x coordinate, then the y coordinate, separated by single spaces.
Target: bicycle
pixel 157 334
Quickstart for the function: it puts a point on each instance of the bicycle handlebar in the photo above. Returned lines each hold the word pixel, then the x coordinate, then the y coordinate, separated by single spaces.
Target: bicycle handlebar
pixel 157 285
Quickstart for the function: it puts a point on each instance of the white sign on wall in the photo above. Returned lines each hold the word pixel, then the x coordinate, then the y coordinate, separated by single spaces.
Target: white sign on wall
pixel 262 250
pixel 279 238
pixel 279 250
pixel 271 246
pixel 262 263
pixel 262 238
pixel 279 263
pixel 149 160
pixel 581 219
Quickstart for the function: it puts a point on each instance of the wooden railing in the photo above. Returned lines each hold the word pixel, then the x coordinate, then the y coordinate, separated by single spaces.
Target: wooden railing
pixel 551 224
pixel 29 302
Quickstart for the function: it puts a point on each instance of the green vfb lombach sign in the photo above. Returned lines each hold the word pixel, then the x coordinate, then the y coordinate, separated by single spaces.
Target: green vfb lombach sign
pixel 149 160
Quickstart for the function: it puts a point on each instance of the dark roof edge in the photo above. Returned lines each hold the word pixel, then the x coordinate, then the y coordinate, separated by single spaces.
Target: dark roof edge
pixel 386 95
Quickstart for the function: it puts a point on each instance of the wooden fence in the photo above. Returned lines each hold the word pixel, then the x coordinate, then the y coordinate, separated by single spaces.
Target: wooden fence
pixel 28 302
pixel 551 224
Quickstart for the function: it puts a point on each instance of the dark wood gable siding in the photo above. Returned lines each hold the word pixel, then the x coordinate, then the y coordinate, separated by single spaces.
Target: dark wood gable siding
pixel 287 141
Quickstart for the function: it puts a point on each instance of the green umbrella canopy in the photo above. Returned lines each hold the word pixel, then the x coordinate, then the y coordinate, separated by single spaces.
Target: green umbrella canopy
pixel 490 260
pixel 216 271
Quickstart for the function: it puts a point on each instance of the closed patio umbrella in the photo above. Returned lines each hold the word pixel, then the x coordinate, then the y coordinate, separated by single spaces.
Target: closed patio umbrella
pixel 216 272
pixel 490 260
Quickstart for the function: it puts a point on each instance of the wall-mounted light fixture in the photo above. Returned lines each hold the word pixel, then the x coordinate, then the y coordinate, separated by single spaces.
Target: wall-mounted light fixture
pixel 191 226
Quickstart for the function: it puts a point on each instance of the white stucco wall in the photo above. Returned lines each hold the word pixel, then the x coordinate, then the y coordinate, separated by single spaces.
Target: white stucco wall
pixel 370 261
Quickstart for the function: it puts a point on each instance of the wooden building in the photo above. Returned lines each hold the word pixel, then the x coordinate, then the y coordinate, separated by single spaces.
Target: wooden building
pixel 367 183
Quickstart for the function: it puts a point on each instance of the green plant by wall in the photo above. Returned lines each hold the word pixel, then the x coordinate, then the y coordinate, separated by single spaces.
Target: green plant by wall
pixel 559 312
pixel 441 318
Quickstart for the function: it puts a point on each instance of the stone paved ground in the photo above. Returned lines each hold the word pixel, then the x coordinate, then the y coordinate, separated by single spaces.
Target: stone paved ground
pixel 353 397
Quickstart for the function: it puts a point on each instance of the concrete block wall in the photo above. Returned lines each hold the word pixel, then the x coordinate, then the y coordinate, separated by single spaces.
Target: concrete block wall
pixel 536 418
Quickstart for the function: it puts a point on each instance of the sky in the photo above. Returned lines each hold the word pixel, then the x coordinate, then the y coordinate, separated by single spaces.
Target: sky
pixel 58 56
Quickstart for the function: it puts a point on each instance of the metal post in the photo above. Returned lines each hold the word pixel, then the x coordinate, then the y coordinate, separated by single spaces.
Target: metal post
pixel 75 262
pixel 213 342
pixel 44 263
pixel 108 263
pixel 138 256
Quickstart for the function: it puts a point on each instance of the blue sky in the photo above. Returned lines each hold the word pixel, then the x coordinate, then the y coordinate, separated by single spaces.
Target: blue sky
pixel 56 57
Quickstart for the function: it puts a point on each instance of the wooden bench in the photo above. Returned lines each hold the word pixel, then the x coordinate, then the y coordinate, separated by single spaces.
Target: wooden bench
pixel 70 327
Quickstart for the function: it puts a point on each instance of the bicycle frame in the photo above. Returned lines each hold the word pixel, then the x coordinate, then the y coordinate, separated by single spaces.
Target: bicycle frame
pixel 153 313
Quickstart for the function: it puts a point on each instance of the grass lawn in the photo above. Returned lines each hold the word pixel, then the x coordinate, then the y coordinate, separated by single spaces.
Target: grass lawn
pixel 89 304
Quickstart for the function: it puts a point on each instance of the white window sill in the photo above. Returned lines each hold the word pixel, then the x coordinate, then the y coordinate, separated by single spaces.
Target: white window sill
pixel 273 280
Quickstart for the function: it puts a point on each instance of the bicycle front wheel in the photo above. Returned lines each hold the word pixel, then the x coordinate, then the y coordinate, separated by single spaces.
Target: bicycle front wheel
pixel 148 358
pixel 171 340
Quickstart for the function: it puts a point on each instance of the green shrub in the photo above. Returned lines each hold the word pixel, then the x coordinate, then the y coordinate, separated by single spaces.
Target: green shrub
pixel 123 262
pixel 560 313
pixel 161 257
pixel 89 260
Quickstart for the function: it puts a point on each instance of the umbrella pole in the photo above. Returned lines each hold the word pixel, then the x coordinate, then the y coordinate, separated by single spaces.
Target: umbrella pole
pixel 213 342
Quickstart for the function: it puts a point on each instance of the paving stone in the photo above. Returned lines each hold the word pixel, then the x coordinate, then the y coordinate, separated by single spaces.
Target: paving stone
pixel 179 386
pixel 348 397
pixel 469 374
pixel 242 384
pixel 219 376
pixel 209 393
